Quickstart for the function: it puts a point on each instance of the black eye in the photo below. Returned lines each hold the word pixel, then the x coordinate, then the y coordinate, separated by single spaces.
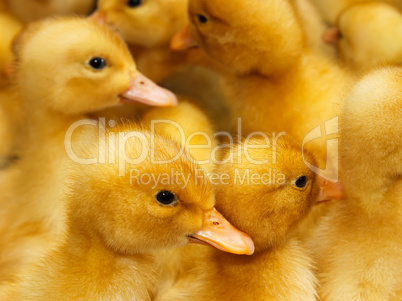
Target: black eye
pixel 134 3
pixel 166 197
pixel 202 19
pixel 301 182
pixel 97 63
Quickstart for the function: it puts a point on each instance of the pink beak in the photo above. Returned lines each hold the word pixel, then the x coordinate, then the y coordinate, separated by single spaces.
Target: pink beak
pixel 331 36
pixel 145 91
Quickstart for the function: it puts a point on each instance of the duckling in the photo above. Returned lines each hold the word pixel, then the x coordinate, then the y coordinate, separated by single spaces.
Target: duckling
pixel 189 126
pixel 105 257
pixel 61 78
pixel 358 246
pixel 274 82
pixel 34 10
pixel 368 35
pixel 111 63
pixel 265 189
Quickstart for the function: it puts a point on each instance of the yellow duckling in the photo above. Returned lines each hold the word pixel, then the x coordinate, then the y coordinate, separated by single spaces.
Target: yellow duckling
pixel 115 231
pixel 368 35
pixel 358 246
pixel 48 92
pixel 33 10
pixel 274 81
pixel 264 188
pixel 60 77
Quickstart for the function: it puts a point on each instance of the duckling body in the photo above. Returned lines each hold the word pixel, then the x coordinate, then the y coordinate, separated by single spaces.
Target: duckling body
pixel 31 213
pixel 358 245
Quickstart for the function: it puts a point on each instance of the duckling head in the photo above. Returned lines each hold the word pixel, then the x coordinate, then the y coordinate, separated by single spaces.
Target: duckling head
pixel 76 66
pixel 246 36
pixel 367 35
pixel 270 190
pixel 160 202
pixel 146 23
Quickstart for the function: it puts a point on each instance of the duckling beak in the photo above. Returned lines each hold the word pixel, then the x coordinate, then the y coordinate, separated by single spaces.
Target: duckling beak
pixel 99 17
pixel 145 91
pixel 330 191
pixel 219 233
pixel 183 40
pixel 331 36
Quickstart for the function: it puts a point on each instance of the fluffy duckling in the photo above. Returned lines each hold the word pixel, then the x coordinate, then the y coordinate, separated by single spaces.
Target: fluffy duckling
pixel 33 10
pixel 266 189
pixel 367 35
pixel 189 126
pixel 60 77
pixel 115 231
pixel 51 94
pixel 359 245
pixel 274 82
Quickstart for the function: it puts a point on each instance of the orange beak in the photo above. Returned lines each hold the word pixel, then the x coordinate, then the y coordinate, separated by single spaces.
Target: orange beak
pixel 145 91
pixel 183 40
pixel 331 36
pixel 330 191
pixel 219 233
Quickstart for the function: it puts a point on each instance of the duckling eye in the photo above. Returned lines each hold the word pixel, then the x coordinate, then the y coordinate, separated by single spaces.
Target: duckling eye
pixel 202 19
pixel 301 182
pixel 97 63
pixel 166 197
pixel 134 3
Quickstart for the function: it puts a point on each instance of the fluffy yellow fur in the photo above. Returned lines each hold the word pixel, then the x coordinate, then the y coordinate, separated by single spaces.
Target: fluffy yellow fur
pixel 32 10
pixel 115 226
pixel 359 245
pixel 280 268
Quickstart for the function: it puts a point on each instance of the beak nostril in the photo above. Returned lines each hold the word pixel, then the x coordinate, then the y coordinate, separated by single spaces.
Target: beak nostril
pixel 142 83
pixel 215 223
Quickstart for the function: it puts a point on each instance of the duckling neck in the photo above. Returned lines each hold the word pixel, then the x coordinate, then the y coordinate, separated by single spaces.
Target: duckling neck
pixel 46 123
pixel 100 268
